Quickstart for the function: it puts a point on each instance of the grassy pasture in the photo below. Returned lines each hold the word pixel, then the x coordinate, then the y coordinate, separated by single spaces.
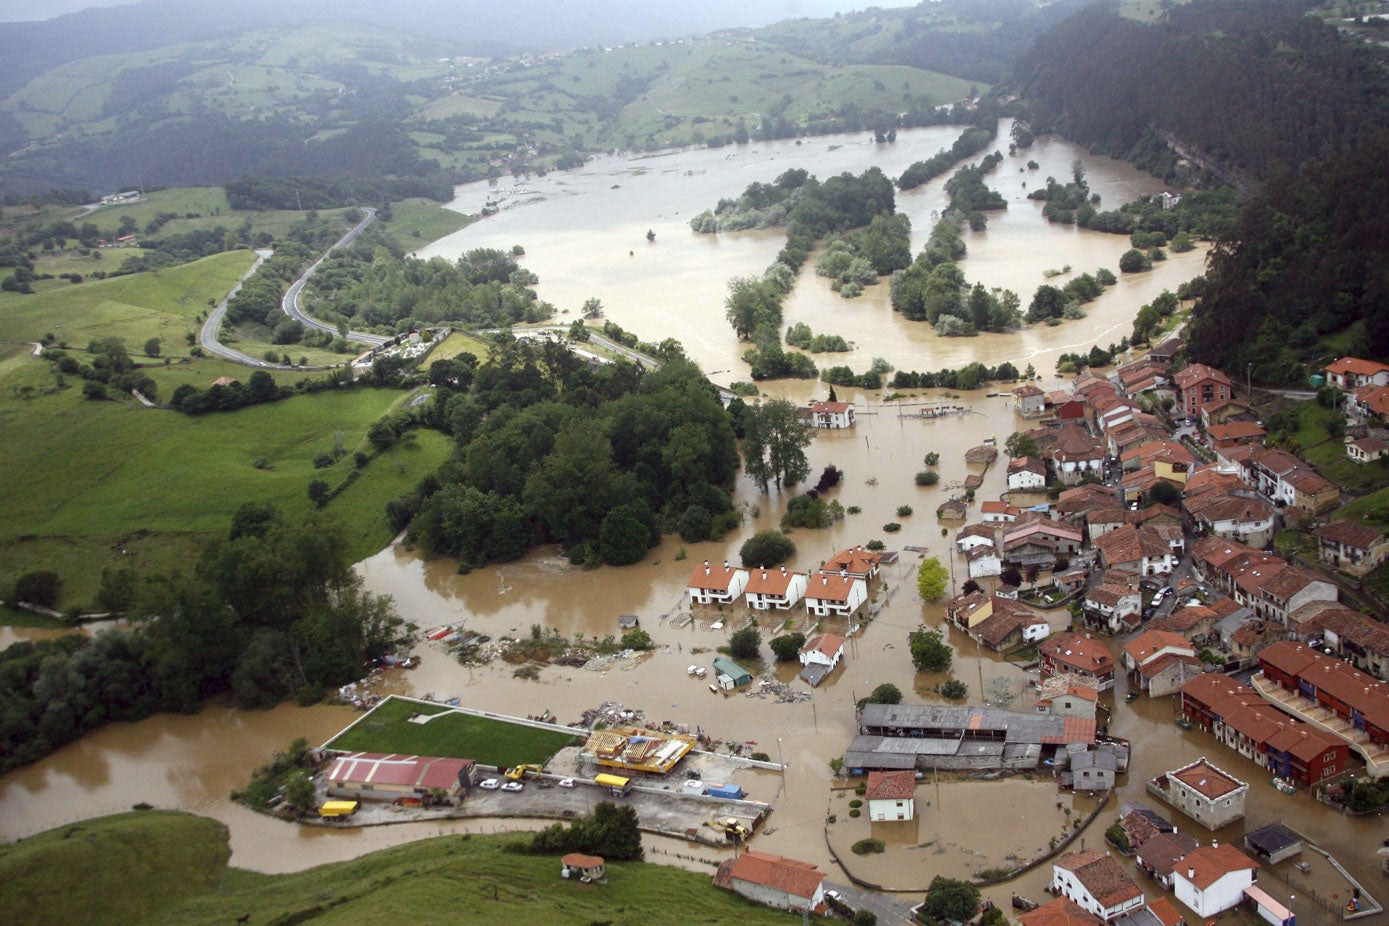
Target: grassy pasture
pixel 387 728
pixel 163 304
pixel 155 868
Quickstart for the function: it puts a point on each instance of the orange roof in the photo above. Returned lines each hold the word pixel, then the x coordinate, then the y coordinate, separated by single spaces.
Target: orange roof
pixel 1059 912
pixel 1162 908
pixel 1356 366
pixel 1206 779
pixel 827 643
pixel 1074 650
pixel 891 786
pixel 1101 875
pixel 831 587
pixel 1142 647
pixel 713 578
pixel 1209 864
pixel 579 860
pixel 770 581
pixel 831 408
pixel 784 874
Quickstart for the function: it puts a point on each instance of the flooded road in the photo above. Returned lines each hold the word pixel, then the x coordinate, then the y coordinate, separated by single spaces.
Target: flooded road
pixel 584 235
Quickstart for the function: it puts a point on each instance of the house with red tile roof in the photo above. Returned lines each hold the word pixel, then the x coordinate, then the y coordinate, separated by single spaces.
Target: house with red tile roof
pixel 1159 662
pixel 999 512
pixel 855 562
pixel 1072 653
pixel 1209 795
pixel 1115 605
pixel 1351 546
pixel 783 883
pixel 835 595
pixel 1095 882
pixel 1027 474
pixel 1280 476
pixel 1360 640
pixel 774 589
pixel 820 655
pixel 717 584
pixel 1222 436
pixel 1213 878
pixel 1369 403
pixel 1160 853
pixel 832 414
pixel 1234 514
pixel 1067 696
pixel 1301 679
pixel 1060 912
pixel 1366 449
pixel 1139 550
pixel 1076 454
pixel 1166 913
pixel 1351 373
pixel 1029 401
pixel 1198 386
pixel 1225 412
pixel 891 795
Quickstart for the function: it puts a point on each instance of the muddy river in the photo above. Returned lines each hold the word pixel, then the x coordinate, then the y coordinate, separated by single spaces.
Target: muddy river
pixel 584 235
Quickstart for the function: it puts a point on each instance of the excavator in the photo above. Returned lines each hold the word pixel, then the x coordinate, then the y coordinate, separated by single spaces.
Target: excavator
pixel 732 830
pixel 523 772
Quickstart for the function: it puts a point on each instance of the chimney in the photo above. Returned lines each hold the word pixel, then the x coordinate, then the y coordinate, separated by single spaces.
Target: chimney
pixel 706 569
pixel 1191 874
pixel 824 580
pixel 764 574
pixel 783 569
pixel 725 565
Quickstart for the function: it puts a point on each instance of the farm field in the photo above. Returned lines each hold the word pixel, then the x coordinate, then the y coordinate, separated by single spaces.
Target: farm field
pixel 155 867
pixel 387 729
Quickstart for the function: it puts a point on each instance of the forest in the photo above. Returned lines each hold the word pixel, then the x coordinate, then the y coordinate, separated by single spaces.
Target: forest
pixel 274 610
pixel 1307 258
pixel 601 460
pixel 1251 87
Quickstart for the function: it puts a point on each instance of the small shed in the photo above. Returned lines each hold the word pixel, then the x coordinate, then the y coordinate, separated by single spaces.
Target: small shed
pixel 730 675
pixel 1272 843
pixel 727 792
pixel 628 622
pixel 584 867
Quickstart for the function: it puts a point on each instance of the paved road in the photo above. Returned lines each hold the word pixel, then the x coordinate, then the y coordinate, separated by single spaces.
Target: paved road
pixel 290 302
pixel 207 337
pixel 891 909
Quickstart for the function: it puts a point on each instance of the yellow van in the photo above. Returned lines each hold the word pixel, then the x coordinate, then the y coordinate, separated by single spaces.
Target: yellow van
pixel 337 809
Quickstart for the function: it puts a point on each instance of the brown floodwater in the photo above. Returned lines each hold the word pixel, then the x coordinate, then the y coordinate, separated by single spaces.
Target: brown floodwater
pixel 577 229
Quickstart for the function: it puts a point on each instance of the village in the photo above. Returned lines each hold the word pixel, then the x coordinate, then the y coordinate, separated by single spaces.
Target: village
pixel 1131 555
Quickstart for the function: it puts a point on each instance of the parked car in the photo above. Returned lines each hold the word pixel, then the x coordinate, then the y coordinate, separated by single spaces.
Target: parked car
pixel 489 784
pixel 1161 596
pixel 513 786
pixel 566 782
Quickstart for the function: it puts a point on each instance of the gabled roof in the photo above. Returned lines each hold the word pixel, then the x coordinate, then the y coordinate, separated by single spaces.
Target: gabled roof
pixel 374 768
pixel 1027 465
pixel 831 408
pixel 1236 430
pixel 1209 864
pixel 770 581
pixel 891 786
pixel 1059 912
pixel 1206 779
pixel 830 644
pixel 713 578
pixel 1167 914
pixel 1349 532
pixel 1079 652
pixel 1151 642
pixel 1100 875
pixel 1356 367
pixel 1162 851
pixel 827 587
pixel 1220 693
pixel 800 879
pixel 1199 373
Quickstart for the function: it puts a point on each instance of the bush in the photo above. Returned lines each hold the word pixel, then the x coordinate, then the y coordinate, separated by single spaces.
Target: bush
pixel 927 477
pixel 787 647
pixel 637 639
pixel 955 690
pixel 891 527
pixel 886 693
pixel 766 548
pixel 39 588
pixel 856 813
pixel 856 803
pixel 745 644
pixel 875 545
pixel 868 847
pixel 904 511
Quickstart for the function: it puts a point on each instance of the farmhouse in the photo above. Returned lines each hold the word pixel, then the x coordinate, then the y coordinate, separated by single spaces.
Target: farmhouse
pixel 1096 882
pixel 1203 792
pixel 820 655
pixel 1160 662
pixel 1072 653
pixel 1027 474
pixel 1351 546
pixel 832 414
pixel 1213 878
pixel 783 883
pixel 891 795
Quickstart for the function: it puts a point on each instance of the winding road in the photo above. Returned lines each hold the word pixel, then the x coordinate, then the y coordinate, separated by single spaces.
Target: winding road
pixel 207 337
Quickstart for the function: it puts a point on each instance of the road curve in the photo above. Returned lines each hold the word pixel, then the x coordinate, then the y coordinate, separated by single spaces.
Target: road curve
pixel 290 302
pixel 207 337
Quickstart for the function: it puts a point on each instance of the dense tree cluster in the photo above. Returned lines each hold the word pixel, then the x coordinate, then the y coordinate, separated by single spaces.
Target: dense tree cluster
pixel 373 286
pixel 612 832
pixel 272 610
pixel 970 376
pixel 551 450
pixel 1306 258
pixel 972 141
pixel 1302 91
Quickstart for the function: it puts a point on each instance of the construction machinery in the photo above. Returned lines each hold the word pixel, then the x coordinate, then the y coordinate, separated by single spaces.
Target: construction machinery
pixel 523 772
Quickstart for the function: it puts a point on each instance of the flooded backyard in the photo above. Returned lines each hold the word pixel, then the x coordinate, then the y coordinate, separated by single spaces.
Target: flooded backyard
pixel 674 287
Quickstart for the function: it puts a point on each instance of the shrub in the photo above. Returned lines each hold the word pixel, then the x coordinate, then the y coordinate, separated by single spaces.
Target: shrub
pixel 868 847
pixel 787 647
pixel 891 527
pixel 904 511
pixel 745 644
pixel 886 693
pixel 954 689
pixel 856 813
pixel 856 803
pixel 927 477
pixel 637 639
pixel 766 548
pixel 39 588
pixel 875 545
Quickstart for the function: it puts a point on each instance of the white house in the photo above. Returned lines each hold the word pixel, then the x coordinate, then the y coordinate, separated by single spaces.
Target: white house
pixel 1203 792
pixel 775 589
pixel 1029 401
pixel 783 883
pixel 832 414
pixel 717 585
pixel 824 649
pixel 1213 878
pixel 835 595
pixel 983 561
pixel 1096 882
pixel 1027 474
pixel 891 795
pixel 1067 696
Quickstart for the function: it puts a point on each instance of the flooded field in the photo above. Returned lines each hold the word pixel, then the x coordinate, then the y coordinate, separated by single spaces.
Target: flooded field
pixel 584 234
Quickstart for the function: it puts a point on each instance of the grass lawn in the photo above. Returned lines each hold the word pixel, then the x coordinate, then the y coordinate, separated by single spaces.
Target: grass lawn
pixel 86 480
pixel 166 304
pixel 416 222
pixel 459 736
pixel 1372 508
pixel 156 868
pixel 459 343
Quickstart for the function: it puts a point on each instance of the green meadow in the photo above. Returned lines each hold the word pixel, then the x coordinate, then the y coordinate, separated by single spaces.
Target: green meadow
pixel 152 868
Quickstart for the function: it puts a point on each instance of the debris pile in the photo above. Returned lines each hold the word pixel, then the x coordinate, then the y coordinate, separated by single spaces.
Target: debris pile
pixel 612 714
pixel 782 694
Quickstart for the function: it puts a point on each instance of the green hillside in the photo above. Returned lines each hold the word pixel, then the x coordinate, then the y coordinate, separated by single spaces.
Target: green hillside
pixel 156 868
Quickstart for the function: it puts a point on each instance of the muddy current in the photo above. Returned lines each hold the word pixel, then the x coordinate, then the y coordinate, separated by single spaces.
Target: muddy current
pixel 584 233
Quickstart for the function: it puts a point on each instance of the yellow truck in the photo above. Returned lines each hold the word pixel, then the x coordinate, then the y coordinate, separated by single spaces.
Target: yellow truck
pixel 334 809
